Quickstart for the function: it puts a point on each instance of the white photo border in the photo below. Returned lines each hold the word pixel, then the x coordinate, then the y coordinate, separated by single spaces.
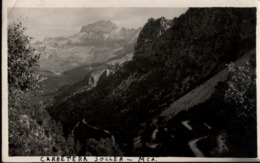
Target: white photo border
pixel 122 4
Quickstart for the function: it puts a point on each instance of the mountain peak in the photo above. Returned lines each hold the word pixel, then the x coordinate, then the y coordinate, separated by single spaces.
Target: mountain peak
pixel 100 26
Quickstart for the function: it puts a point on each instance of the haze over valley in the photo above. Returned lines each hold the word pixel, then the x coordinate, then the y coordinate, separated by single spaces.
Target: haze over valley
pixel 93 49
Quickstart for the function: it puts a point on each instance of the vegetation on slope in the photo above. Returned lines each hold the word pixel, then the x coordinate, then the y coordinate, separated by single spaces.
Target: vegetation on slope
pixel 32 132
pixel 171 58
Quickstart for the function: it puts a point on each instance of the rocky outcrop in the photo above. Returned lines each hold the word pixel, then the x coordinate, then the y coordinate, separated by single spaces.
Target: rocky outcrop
pixel 101 26
pixel 197 35
pixel 150 33
pixel 103 32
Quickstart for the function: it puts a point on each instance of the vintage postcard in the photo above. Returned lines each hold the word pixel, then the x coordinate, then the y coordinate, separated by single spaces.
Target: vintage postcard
pixel 129 81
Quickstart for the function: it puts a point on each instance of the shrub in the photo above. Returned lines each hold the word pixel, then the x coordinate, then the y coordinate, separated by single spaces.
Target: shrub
pixel 103 147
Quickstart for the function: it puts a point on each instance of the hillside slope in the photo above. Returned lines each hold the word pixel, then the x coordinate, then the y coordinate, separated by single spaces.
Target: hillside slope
pixel 203 92
pixel 171 58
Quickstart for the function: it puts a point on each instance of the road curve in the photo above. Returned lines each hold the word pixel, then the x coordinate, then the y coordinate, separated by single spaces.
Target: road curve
pixel 194 148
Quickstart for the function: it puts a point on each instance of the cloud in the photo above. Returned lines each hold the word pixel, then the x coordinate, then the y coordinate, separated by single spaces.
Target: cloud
pixel 52 22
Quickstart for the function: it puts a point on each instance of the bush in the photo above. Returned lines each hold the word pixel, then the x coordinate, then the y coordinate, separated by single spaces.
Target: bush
pixel 104 147
pixel 22 57
pixel 241 90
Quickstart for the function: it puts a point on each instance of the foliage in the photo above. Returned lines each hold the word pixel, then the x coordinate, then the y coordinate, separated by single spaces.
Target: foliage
pixel 31 129
pixel 26 137
pixel 30 135
pixel 103 147
pixel 241 89
pixel 22 57
pixel 231 108
pixel 241 101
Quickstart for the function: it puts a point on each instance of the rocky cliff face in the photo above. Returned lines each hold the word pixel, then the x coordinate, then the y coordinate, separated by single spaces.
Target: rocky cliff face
pixel 149 35
pixel 209 30
pixel 104 33
pixel 105 30
pixel 171 57
pixel 101 26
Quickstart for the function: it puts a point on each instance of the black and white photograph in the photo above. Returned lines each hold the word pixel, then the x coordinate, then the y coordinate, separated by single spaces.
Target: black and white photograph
pixel 137 82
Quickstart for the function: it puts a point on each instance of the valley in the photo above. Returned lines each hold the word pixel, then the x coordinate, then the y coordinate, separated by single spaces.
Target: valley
pixel 68 60
pixel 179 87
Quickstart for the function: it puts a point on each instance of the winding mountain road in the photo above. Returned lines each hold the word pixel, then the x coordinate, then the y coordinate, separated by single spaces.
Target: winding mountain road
pixel 194 148
pixel 186 124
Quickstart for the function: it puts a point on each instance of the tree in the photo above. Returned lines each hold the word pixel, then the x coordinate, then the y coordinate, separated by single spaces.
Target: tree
pixel 240 98
pixel 32 132
pixel 103 147
pixel 22 58
pixel 241 90
pixel 26 136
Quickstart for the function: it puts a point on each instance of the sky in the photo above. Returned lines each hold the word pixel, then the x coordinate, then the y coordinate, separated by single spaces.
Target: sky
pixel 53 22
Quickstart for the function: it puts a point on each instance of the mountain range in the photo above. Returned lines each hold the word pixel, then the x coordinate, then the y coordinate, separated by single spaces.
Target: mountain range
pixel 94 43
pixel 100 43
pixel 171 58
